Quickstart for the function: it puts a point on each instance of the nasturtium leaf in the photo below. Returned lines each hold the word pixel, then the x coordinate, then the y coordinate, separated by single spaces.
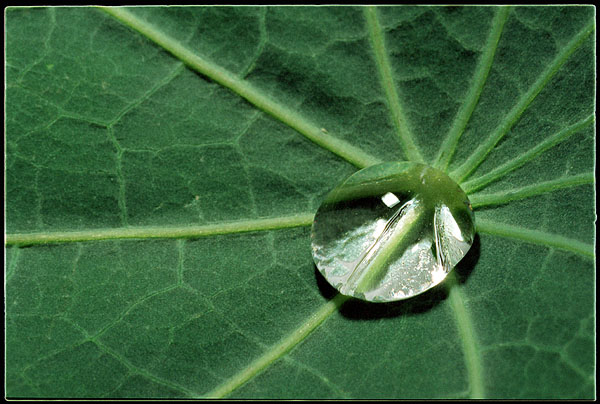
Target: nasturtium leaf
pixel 163 166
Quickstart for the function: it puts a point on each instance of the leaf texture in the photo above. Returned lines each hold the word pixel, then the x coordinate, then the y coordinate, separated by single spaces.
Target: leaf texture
pixel 163 165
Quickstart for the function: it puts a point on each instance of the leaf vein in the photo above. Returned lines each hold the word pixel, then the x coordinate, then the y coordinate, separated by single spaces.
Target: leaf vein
pixel 499 198
pixel 387 81
pixel 278 350
pixel 132 306
pixel 466 330
pixel 142 372
pixel 244 89
pixel 273 223
pixel 479 79
pixel 535 237
pixel 462 172
pixel 555 139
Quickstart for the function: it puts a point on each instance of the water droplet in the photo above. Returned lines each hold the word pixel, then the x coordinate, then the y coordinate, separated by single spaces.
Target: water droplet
pixel 392 231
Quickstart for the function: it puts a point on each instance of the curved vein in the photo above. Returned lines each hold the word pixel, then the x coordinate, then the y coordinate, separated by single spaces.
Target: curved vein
pixel 466 330
pixel 244 89
pixel 462 172
pixel 279 349
pixel 241 226
pixel 555 139
pixel 142 372
pixel 407 142
pixel 466 110
pixel 169 77
pixel 133 369
pixel 535 237
pixel 499 198
pixel 94 338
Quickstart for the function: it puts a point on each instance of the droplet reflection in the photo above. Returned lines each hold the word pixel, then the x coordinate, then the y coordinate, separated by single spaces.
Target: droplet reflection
pixel 392 231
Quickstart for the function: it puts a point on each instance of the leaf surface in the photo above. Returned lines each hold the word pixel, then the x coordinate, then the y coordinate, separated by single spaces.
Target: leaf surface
pixel 163 165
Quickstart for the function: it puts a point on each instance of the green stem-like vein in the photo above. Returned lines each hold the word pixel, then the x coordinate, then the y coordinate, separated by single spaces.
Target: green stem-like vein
pixel 535 237
pixel 494 175
pixel 479 200
pixel 466 330
pixel 462 172
pixel 279 349
pixel 387 81
pixel 244 89
pixel 161 232
pixel 466 110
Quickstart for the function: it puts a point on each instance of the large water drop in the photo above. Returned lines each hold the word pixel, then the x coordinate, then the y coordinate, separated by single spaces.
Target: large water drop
pixel 392 231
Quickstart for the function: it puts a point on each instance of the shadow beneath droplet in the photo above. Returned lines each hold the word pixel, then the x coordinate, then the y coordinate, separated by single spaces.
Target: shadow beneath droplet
pixel 356 309
pixel 467 264
pixel 326 290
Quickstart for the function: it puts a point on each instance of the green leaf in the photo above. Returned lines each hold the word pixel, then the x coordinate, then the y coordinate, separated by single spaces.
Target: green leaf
pixel 163 165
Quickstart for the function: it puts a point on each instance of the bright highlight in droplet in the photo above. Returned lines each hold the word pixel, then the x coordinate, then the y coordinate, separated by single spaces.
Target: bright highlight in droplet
pixel 390 200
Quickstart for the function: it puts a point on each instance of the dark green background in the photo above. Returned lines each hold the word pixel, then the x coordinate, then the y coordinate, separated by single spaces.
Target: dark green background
pixel 104 129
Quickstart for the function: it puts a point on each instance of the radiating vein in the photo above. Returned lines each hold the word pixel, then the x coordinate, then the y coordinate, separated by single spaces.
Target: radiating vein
pixel 462 172
pixel 466 110
pixel 279 349
pixel 498 198
pixel 244 89
pixel 409 146
pixel 241 226
pixel 535 237
pixel 499 172
pixel 468 338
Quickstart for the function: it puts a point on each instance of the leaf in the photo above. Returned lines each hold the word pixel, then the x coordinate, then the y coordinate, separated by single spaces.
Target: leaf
pixel 163 165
